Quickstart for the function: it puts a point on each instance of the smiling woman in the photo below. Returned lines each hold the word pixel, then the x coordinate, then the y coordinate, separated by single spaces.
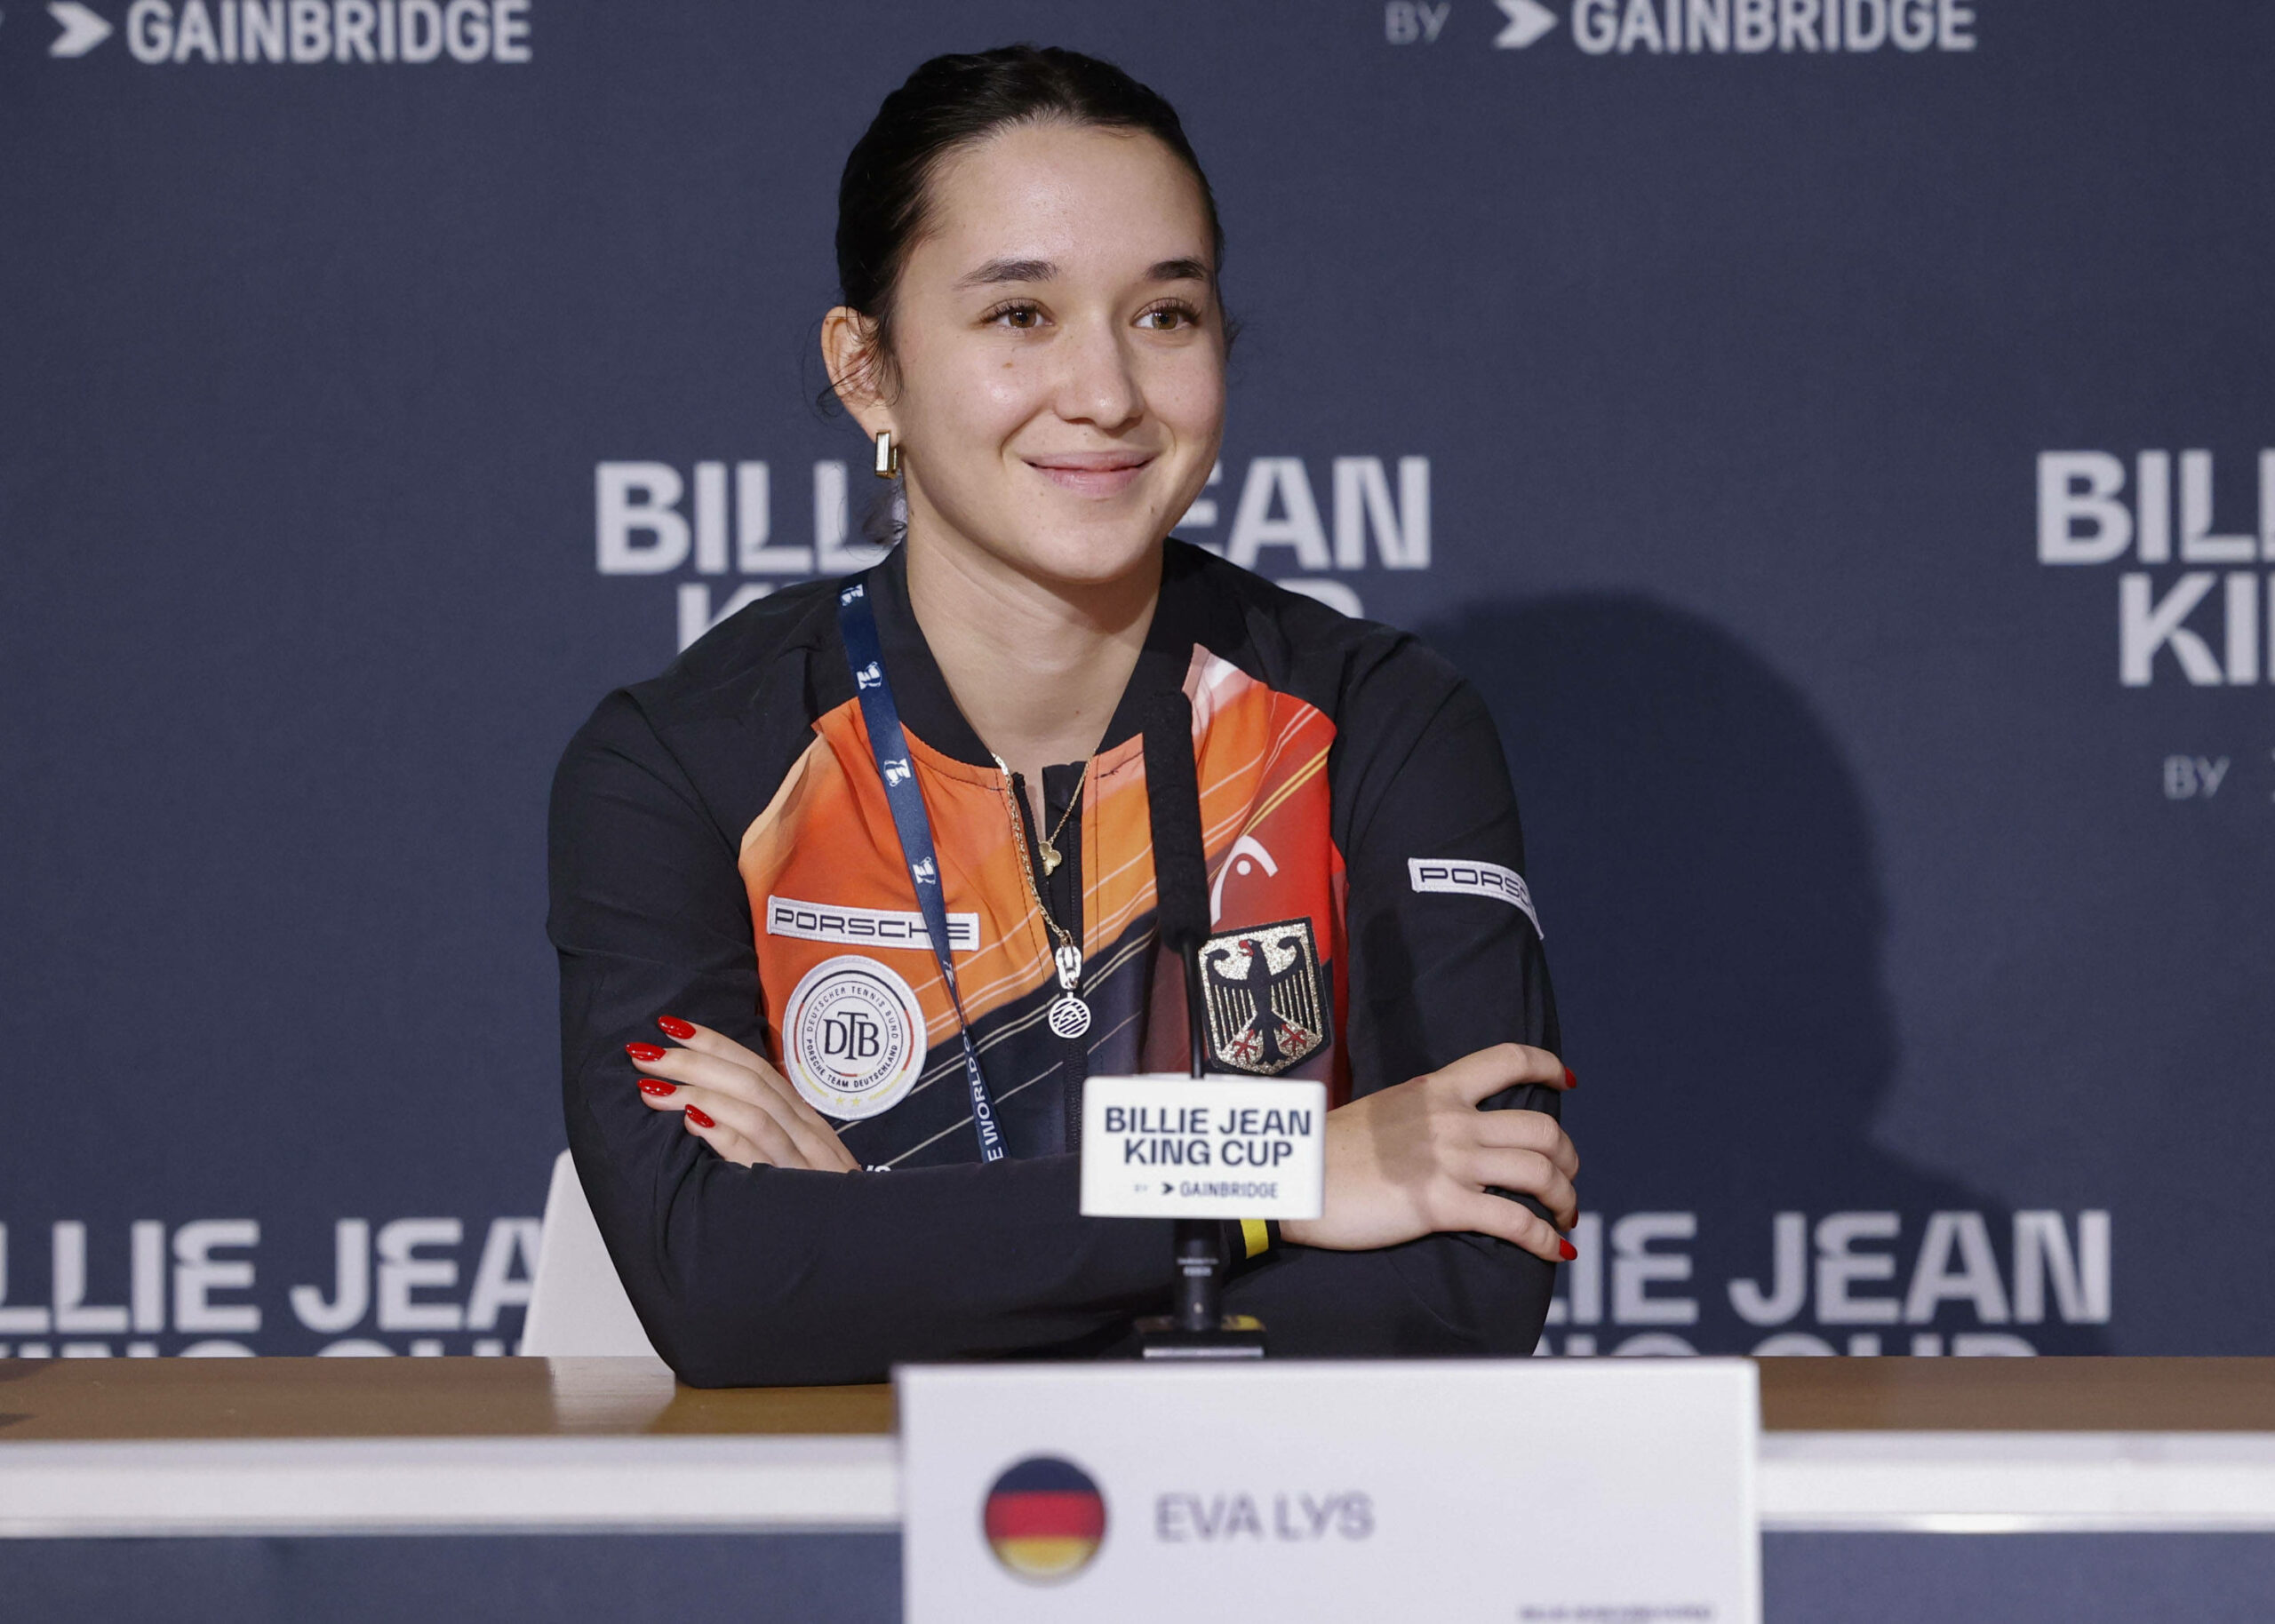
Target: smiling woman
pixel 875 853
pixel 1041 340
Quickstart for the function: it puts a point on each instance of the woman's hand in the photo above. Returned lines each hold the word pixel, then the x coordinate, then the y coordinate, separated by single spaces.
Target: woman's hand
pixel 1416 1159
pixel 735 1103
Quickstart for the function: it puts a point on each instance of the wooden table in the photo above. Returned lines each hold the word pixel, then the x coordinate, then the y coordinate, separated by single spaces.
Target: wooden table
pixel 236 1446
pixel 86 1400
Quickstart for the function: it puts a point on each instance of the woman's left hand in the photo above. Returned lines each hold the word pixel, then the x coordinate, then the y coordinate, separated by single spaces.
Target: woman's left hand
pixel 1422 1159
pixel 735 1102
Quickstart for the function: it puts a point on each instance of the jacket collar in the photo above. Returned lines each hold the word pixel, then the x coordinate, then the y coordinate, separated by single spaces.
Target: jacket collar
pixel 1186 614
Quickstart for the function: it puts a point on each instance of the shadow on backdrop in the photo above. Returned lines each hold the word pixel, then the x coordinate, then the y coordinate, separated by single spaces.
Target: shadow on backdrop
pixel 1706 872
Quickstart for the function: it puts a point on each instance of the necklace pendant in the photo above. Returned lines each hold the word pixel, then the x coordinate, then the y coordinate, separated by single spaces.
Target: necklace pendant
pixel 1049 855
pixel 1068 1015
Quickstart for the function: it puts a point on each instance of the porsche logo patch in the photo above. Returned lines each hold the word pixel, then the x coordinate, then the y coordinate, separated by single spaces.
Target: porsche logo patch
pixel 1266 1000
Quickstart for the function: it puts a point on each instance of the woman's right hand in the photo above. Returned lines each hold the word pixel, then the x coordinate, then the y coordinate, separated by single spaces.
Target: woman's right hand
pixel 736 1102
pixel 1418 1158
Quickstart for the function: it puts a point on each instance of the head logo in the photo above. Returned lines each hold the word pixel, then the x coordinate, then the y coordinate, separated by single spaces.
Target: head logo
pixel 1247 854
pixel 1044 1518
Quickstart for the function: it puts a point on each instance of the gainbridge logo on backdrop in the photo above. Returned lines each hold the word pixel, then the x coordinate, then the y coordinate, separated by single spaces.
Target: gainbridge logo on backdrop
pixel 1317 524
pixel 1708 27
pixel 302 32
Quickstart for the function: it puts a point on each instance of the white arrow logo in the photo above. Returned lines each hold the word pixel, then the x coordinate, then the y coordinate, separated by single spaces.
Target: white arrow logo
pixel 1528 21
pixel 82 30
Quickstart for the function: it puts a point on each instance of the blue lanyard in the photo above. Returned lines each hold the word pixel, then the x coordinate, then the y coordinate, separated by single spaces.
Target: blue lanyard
pixel 856 625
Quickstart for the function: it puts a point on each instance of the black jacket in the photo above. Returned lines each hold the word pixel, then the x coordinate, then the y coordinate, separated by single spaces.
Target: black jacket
pixel 721 851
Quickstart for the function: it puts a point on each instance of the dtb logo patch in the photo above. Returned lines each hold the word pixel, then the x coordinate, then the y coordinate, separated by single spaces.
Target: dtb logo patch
pixel 852 1038
pixel 1266 999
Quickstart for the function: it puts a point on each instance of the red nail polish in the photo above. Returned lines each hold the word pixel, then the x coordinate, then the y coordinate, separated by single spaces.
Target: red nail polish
pixel 646 1053
pixel 702 1120
pixel 674 1027
pixel 1565 1246
pixel 1570 1081
pixel 649 1085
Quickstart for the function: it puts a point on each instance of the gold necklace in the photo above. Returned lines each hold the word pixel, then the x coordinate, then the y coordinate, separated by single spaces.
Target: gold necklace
pixel 1068 1015
pixel 1047 849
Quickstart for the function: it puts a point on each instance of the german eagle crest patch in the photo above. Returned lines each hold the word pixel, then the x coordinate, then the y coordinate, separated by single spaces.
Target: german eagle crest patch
pixel 1266 1000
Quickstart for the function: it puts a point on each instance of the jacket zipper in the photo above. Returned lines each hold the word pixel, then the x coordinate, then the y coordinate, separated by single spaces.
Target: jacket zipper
pixel 1060 894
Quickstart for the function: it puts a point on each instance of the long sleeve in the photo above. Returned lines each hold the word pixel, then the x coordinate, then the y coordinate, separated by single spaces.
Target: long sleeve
pixel 766 1276
pixel 1446 959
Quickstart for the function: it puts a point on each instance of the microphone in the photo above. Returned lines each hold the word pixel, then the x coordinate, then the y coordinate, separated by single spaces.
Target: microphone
pixel 1181 912
pixel 1134 1125
pixel 1180 859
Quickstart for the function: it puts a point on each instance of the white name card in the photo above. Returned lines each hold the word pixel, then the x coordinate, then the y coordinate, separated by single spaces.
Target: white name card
pixel 1502 1491
pixel 1180 1146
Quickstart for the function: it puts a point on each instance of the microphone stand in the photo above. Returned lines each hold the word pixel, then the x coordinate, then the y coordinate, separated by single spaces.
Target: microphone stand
pixel 1200 1282
pixel 1198 1327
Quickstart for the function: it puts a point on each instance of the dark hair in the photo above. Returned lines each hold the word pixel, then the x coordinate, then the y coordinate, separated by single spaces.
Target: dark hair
pixel 953 102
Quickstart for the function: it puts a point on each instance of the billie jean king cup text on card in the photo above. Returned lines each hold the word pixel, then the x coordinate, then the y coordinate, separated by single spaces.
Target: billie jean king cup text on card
pixel 1177 1147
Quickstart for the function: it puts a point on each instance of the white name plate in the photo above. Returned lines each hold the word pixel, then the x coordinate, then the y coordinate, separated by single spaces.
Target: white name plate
pixel 1502 1491
pixel 1180 1146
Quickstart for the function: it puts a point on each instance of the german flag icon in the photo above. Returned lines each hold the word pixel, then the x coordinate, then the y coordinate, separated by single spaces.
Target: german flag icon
pixel 1045 1518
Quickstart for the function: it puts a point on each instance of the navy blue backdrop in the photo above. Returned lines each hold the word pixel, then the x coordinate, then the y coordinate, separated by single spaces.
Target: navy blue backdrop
pixel 1832 435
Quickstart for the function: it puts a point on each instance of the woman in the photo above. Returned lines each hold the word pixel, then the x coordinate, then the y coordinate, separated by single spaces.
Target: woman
pixel 857 1150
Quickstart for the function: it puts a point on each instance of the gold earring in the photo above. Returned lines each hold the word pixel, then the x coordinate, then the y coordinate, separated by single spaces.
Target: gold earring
pixel 888 455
